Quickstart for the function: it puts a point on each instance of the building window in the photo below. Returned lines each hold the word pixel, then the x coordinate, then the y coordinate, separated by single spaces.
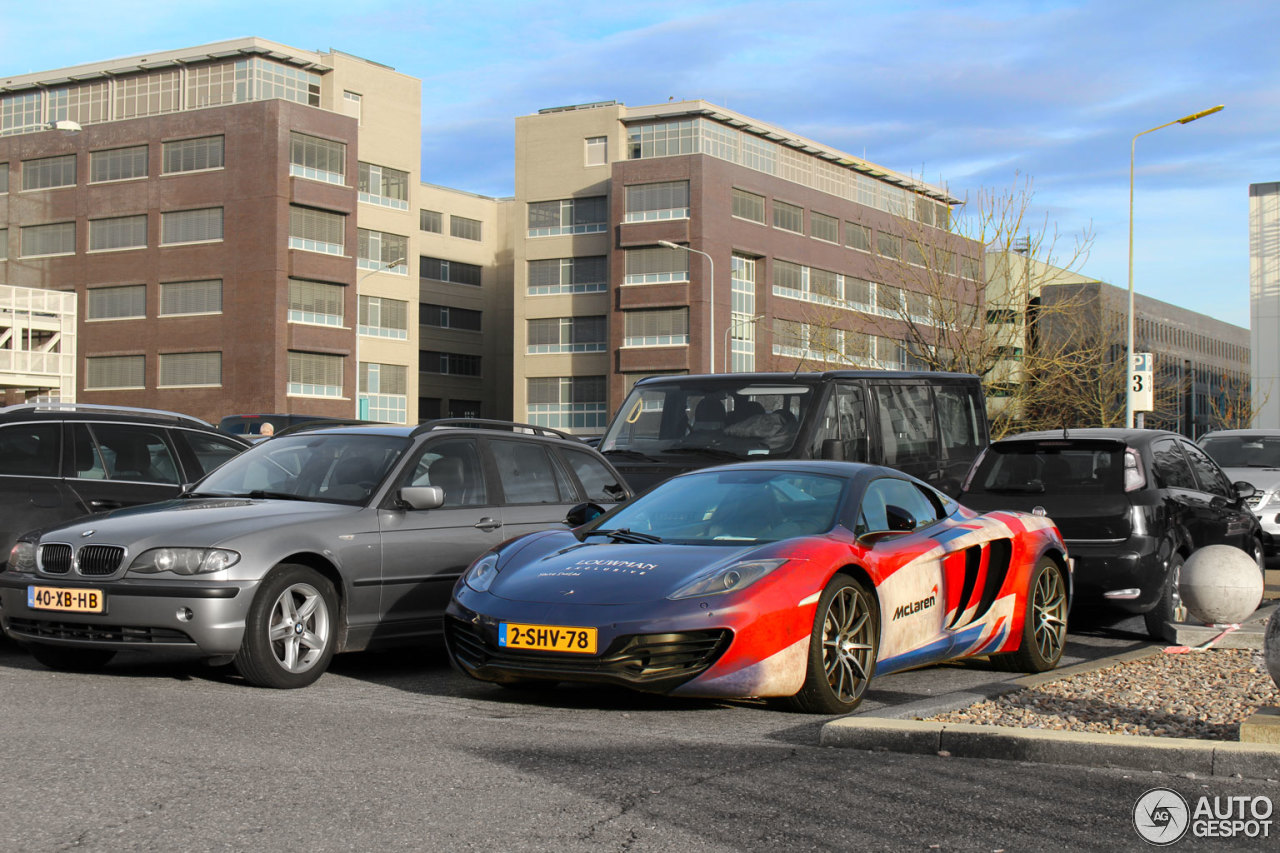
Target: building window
pixel 569 275
pixel 971 268
pixel 655 266
pixel 190 297
pixel 116 303
pixel 190 369
pixel 86 103
pixel 49 172
pixel 383 185
pixel 661 140
pixel 260 79
pixel 823 227
pixel 4 178
pixel 115 371
pixel 660 327
pixel 568 216
pixel 430 220
pixel 384 392
pixel 148 94
pixel 20 113
pixel 317 159
pixel 57 238
pixel 352 104
pixel 449 317
pixel 312 374
pixel 316 230
pixel 448 363
pixel 381 317
pixel 464 228
pixel 568 402
pixel 888 245
pixel 454 272
pixel 316 302
pixel 857 236
pixel 382 252
pixel 788 217
pixel 118 164
pixel 597 150
pixel 567 335
pixel 193 155
pixel 211 85
pixel 742 328
pixel 191 226
pixel 748 206
pixel 121 232
pixel 4 244
pixel 809 284
pixel 653 202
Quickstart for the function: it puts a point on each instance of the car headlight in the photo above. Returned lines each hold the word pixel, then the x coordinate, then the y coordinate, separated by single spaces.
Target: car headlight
pixel 22 557
pixel 482 573
pixel 184 561
pixel 727 579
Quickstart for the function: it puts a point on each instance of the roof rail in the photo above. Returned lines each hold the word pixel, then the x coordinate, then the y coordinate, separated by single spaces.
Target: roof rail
pixel 484 423
pixel 162 414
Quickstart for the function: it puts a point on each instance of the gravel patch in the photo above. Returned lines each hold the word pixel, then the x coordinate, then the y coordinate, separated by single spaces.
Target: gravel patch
pixel 1204 695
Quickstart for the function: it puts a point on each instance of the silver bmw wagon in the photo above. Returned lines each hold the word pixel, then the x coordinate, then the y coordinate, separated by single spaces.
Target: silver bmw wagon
pixel 314 542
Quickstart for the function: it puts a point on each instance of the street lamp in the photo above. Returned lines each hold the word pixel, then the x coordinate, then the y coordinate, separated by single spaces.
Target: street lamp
pixel 397 262
pixel 711 298
pixel 1128 352
pixel 733 324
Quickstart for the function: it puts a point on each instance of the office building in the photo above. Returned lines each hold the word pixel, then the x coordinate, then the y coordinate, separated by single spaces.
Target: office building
pixel 1264 301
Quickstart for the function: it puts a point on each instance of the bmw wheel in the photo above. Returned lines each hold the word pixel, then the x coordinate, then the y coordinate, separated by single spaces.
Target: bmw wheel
pixel 291 629
pixel 1044 625
pixel 842 649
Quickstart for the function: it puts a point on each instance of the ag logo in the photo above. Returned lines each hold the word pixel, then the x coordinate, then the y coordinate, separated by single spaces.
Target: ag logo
pixel 1161 816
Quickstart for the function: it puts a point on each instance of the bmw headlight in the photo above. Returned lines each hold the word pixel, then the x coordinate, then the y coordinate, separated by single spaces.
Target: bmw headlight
pixel 482 573
pixel 184 561
pixel 22 557
pixel 727 579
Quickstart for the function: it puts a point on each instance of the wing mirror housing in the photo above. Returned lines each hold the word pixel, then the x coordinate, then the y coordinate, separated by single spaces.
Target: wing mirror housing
pixel 582 513
pixel 1244 490
pixel 421 497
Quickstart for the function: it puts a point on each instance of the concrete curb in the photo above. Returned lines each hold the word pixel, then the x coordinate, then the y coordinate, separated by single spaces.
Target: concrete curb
pixel 897 730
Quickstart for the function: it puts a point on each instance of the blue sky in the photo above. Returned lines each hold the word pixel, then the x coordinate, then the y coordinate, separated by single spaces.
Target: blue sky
pixel 976 95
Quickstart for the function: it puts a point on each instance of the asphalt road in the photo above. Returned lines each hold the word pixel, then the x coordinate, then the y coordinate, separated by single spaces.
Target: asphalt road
pixel 398 752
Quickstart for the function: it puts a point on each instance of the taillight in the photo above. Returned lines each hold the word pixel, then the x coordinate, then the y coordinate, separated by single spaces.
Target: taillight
pixel 1134 478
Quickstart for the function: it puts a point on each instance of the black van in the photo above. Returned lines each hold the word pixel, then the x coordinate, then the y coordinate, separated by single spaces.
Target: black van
pixel 930 425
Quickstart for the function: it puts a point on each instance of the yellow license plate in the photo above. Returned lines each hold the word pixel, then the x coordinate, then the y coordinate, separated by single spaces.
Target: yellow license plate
pixel 547 638
pixel 66 600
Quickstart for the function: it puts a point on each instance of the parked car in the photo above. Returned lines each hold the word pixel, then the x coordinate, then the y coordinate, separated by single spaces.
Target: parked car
pixel 1252 456
pixel 1132 505
pixel 256 426
pixel 322 541
pixel 796 579
pixel 63 460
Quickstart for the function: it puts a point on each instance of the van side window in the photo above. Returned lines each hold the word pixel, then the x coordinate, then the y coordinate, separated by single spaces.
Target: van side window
pixel 958 419
pixel 907 433
pixel 30 450
pixel 845 419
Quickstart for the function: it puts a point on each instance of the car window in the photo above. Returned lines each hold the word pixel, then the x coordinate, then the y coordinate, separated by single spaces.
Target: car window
pixel 1251 450
pixel 1061 468
pixel 211 450
pixel 453 465
pixel 30 450
pixel 907 433
pixel 1211 478
pixel 873 514
pixel 1171 465
pixel 528 474
pixel 126 452
pixel 597 480
pixel 958 416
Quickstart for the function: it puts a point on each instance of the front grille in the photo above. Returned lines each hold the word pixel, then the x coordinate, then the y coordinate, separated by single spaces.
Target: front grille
pixel 98 560
pixel 38 629
pixel 657 661
pixel 55 559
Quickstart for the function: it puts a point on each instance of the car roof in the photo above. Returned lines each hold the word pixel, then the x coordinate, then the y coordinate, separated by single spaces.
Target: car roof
pixel 457 425
pixel 801 378
pixel 93 412
pixel 849 470
pixel 1118 434
pixel 1231 432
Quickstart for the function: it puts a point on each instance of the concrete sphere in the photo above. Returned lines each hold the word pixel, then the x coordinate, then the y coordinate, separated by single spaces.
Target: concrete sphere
pixel 1272 643
pixel 1220 584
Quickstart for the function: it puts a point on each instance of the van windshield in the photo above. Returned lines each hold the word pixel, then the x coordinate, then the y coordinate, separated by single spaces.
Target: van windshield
pixel 742 419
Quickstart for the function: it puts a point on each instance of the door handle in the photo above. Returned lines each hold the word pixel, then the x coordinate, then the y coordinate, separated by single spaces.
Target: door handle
pixel 487 523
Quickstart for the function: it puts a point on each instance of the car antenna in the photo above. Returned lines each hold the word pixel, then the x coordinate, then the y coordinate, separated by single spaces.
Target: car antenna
pixel 1064 428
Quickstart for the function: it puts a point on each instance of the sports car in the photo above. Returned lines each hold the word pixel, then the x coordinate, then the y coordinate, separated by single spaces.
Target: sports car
pixel 798 579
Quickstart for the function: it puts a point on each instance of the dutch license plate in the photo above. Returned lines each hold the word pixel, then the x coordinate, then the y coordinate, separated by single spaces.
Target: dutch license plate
pixel 547 638
pixel 66 600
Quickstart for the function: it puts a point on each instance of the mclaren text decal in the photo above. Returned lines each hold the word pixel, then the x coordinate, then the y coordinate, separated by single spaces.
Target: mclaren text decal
pixel 914 607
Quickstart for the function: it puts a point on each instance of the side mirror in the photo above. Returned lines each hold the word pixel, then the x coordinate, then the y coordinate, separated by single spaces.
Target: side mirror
pixel 833 448
pixel 900 521
pixel 1244 490
pixel 582 513
pixel 421 497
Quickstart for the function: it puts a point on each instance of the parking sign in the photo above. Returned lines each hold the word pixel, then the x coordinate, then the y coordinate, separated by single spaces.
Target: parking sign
pixel 1142 381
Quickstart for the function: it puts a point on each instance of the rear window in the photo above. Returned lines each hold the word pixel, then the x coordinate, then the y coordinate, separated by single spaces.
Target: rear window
pixel 1026 468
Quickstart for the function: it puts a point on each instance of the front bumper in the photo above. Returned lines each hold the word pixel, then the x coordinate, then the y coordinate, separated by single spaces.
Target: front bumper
pixel 200 618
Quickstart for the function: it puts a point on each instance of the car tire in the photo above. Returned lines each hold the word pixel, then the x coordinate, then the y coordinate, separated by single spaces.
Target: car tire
pixel 1166 610
pixel 70 658
pixel 1044 625
pixel 291 629
pixel 843 647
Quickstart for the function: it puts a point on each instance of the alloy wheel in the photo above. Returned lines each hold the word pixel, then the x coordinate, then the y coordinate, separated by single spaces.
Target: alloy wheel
pixel 1049 609
pixel 300 628
pixel 847 644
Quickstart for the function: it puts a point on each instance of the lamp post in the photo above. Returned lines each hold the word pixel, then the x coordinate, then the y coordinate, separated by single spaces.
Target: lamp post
pixel 1128 352
pixel 711 300
pixel 397 262
pixel 733 324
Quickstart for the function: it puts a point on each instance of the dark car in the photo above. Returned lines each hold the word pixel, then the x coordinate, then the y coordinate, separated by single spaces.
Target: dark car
pixel 1132 505
pixel 63 460
pixel 253 425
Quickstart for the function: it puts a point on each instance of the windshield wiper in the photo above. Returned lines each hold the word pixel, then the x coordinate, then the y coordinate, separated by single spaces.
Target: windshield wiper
pixel 634 454
pixel 1029 489
pixel 714 452
pixel 262 493
pixel 622 534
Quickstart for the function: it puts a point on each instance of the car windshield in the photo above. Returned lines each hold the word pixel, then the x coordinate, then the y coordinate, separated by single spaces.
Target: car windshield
pixel 1057 467
pixel 715 507
pixel 1244 451
pixel 725 419
pixel 309 466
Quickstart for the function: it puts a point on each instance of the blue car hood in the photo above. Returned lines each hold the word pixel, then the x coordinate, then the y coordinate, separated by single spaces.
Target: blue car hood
pixel 609 573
